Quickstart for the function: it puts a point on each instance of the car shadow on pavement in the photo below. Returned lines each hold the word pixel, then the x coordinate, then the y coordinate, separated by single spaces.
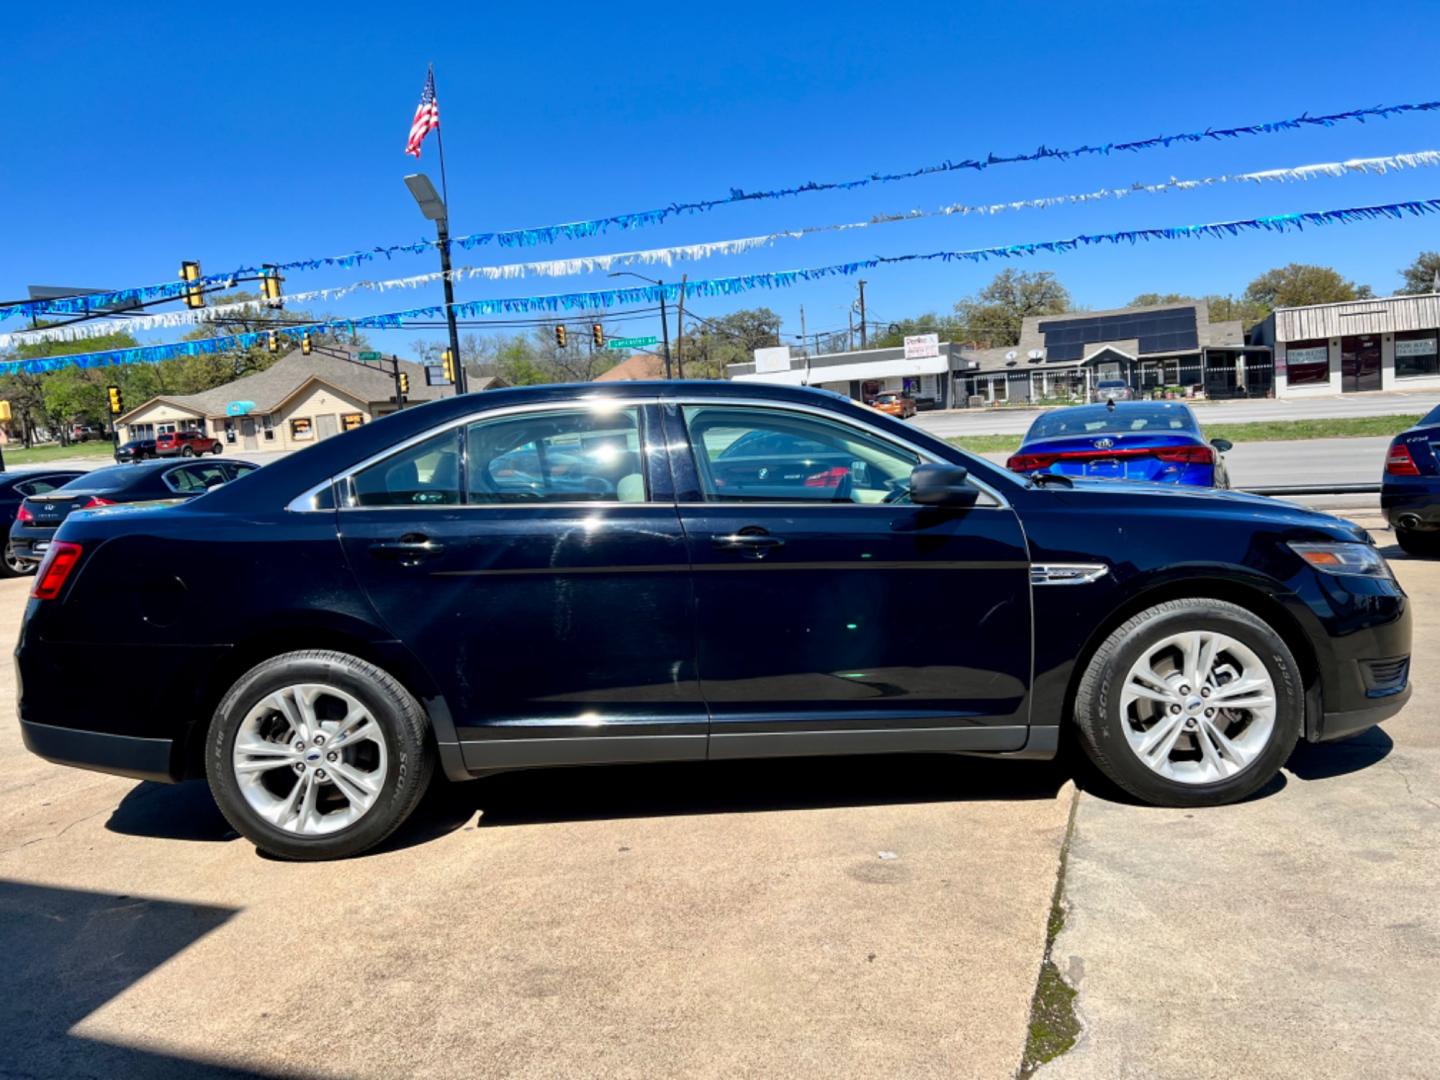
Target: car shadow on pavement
pixel 171 812
pixel 67 953
pixel 1320 761
pixel 724 787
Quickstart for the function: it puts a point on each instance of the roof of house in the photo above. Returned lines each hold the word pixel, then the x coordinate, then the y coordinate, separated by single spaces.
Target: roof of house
pixel 271 388
pixel 641 365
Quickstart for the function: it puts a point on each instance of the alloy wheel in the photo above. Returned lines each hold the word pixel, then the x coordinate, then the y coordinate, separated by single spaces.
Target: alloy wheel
pixel 310 759
pixel 14 565
pixel 1198 707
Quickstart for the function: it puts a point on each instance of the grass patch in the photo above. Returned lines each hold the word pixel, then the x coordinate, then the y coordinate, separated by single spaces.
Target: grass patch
pixel 38 455
pixel 1340 427
pixel 1054 1027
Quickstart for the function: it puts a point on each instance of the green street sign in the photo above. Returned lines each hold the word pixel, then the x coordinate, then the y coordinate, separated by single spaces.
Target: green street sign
pixel 368 356
pixel 631 342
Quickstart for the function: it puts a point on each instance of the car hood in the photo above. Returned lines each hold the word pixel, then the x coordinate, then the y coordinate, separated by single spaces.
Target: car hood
pixel 1126 496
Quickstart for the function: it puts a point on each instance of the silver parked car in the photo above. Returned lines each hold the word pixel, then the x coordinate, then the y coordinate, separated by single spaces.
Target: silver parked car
pixel 1112 390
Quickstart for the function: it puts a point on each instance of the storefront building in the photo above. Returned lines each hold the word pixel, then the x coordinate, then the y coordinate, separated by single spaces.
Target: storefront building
pixel 1390 343
pixel 921 369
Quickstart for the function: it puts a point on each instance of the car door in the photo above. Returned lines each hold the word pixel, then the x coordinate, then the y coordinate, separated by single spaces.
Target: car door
pixel 533 560
pixel 832 614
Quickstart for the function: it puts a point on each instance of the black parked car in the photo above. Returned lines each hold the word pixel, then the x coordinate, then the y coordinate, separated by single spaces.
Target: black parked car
pixel 1410 486
pixel 14 487
pixel 136 450
pixel 41 514
pixel 556 576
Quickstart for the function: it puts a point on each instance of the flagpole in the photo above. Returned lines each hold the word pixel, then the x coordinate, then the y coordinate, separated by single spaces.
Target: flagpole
pixel 444 228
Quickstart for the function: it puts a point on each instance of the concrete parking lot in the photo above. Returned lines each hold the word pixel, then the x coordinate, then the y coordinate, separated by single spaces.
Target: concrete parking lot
pixel 871 917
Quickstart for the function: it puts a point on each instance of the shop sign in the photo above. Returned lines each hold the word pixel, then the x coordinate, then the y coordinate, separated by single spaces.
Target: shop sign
pixel 922 346
pixel 1316 354
pixel 1424 346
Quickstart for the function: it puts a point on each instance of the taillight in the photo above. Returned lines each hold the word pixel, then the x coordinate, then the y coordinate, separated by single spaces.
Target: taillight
pixel 832 477
pixel 23 515
pixel 55 569
pixel 1190 455
pixel 1399 462
pixel 96 500
pixel 1030 462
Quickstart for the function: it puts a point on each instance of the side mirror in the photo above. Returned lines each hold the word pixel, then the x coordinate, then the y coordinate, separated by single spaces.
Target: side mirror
pixel 1223 445
pixel 942 485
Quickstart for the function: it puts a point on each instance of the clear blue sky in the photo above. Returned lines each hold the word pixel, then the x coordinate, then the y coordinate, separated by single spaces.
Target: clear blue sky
pixel 238 133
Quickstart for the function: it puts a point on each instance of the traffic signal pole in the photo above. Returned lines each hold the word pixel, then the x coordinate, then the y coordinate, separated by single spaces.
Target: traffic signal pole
pixel 442 228
pixel 395 371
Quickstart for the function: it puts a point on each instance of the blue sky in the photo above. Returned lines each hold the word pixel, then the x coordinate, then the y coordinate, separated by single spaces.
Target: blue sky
pixel 236 134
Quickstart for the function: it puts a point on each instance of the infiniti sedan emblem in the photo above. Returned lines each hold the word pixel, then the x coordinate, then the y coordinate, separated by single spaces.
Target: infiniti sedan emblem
pixel 1104 444
pixel 49 506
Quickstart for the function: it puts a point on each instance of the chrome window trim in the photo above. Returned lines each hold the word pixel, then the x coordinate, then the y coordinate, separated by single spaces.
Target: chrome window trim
pixel 926 456
pixel 305 502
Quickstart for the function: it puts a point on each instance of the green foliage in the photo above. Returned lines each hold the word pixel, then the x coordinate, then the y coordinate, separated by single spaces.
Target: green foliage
pixel 993 316
pixel 949 327
pixel 1299 284
pixel 711 344
pixel 1420 276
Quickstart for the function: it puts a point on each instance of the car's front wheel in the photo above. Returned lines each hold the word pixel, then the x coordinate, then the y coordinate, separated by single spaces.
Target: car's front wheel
pixel 216 449
pixel 1191 703
pixel 318 755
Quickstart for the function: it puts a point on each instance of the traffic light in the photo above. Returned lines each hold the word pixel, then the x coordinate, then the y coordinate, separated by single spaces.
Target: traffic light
pixel 195 294
pixel 560 336
pixel 117 402
pixel 5 414
pixel 272 341
pixel 305 343
pixel 270 282
pixel 447 361
pixel 597 335
pixel 404 384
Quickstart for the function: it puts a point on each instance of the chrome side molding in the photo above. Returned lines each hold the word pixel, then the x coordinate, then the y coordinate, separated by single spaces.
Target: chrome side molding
pixel 1066 573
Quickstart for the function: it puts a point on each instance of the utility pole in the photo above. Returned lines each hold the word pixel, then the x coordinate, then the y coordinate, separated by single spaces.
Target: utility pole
pixel 862 313
pixel 395 371
pixel 804 341
pixel 850 336
pixel 680 329
pixel 664 328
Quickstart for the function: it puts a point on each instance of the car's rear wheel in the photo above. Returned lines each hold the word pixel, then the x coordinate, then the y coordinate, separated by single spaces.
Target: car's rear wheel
pixel 1191 703
pixel 10 566
pixel 186 451
pixel 318 755
pixel 1418 543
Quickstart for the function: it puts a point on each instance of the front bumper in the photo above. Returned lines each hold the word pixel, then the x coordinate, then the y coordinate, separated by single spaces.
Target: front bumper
pixel 122 755
pixel 1341 725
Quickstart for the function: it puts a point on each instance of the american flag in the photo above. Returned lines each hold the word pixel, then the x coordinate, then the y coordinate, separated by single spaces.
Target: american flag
pixel 427 117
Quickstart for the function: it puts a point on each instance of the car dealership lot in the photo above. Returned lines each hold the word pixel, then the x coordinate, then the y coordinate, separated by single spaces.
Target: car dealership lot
pixel 862 918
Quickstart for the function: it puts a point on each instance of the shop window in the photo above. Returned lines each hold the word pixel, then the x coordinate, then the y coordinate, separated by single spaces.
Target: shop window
pixel 350 421
pixel 268 426
pixel 1307 363
pixel 301 429
pixel 1416 354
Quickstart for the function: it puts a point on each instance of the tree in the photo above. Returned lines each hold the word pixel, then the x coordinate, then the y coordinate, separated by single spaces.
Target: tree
pixel 994 315
pixel 712 344
pixel 1421 275
pixel 893 336
pixel 1155 299
pixel 53 400
pixel 1299 284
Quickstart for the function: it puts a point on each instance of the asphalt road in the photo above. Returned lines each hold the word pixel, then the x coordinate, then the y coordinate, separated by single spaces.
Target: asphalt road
pixel 1017 421
pixel 872 917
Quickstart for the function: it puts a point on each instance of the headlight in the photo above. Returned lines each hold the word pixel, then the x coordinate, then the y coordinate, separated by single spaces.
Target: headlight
pixel 1361 559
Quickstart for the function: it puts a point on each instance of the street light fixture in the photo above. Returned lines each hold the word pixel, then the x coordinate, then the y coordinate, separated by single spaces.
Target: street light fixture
pixel 664 318
pixel 433 207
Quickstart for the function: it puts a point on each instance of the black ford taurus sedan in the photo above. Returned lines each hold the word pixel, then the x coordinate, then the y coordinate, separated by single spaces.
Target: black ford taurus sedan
pixel 575 575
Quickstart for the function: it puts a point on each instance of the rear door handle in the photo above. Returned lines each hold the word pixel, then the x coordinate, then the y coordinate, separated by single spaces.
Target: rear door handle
pixel 750 545
pixel 408 550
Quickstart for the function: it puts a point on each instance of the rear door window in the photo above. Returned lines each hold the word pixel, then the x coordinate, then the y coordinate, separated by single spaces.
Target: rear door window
pixel 561 455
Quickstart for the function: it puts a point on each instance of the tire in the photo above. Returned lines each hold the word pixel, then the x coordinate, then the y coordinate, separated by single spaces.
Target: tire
pixel 1420 544
pixel 216 449
pixel 187 451
pixel 1186 775
pixel 400 745
pixel 13 567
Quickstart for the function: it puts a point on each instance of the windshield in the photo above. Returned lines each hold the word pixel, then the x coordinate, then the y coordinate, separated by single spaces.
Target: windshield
pixel 1123 419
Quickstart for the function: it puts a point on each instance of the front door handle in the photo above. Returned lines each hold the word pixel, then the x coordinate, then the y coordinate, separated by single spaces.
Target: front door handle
pixel 751 545
pixel 408 550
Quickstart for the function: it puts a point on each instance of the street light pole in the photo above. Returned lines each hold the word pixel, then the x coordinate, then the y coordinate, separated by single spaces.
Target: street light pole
pixel 664 315
pixel 433 207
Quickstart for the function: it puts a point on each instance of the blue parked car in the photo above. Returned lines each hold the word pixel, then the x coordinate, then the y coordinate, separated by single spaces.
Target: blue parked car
pixel 1410 486
pixel 1155 441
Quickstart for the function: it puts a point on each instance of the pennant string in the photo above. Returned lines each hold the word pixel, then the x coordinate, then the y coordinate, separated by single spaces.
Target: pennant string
pixel 549 234
pixel 713 287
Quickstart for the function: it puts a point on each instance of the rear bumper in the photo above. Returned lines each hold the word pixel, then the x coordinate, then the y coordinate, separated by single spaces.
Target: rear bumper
pixel 1416 500
pixel 122 755
pixel 30 544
